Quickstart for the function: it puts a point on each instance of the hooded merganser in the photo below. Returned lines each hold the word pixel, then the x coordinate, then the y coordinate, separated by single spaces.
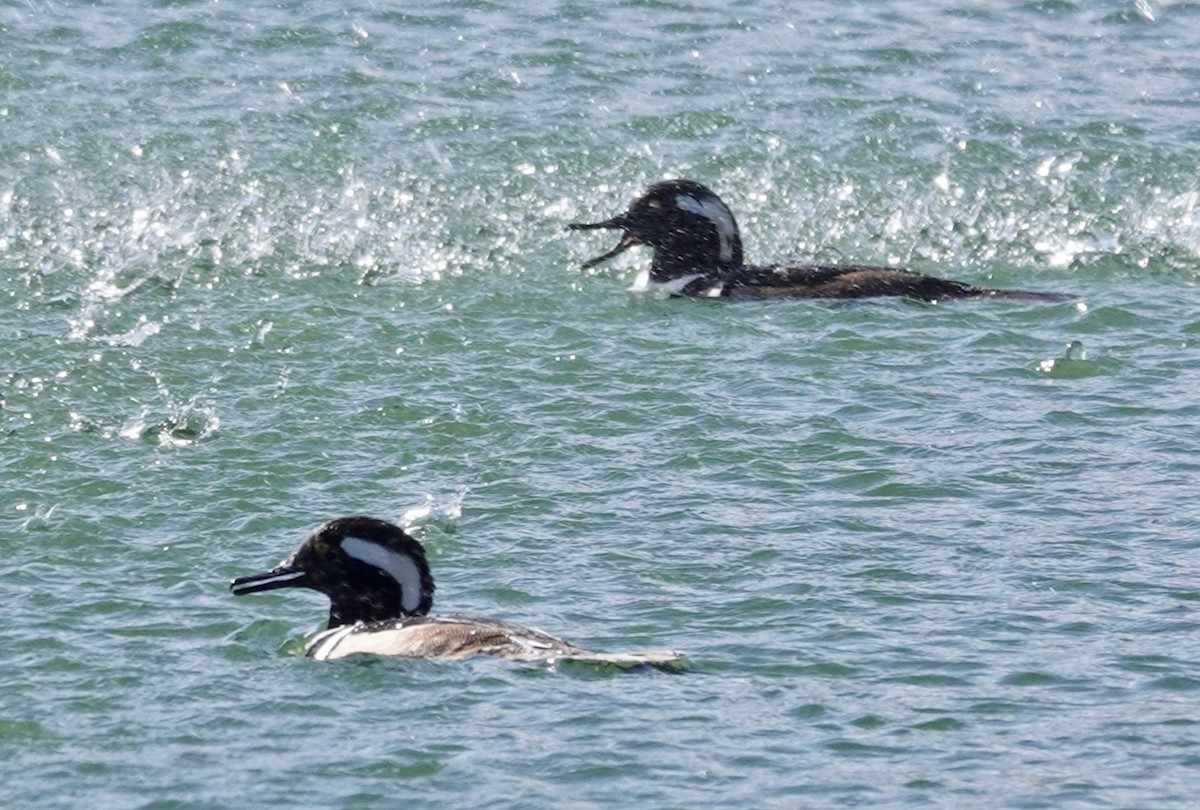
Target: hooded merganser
pixel 698 252
pixel 380 590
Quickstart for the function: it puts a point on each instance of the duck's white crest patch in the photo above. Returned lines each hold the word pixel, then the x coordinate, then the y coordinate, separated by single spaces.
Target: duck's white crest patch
pixel 715 212
pixel 400 567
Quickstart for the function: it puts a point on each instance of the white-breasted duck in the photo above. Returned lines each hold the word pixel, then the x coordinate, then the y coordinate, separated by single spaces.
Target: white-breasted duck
pixel 698 252
pixel 380 589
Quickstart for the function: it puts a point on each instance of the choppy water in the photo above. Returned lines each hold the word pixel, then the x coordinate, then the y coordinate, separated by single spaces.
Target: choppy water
pixel 265 264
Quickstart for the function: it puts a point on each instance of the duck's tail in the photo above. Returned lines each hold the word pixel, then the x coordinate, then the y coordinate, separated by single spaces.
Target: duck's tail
pixel 661 659
pixel 1020 295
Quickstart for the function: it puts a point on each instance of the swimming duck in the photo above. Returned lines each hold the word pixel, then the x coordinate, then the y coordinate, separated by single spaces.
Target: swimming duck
pixel 380 589
pixel 698 252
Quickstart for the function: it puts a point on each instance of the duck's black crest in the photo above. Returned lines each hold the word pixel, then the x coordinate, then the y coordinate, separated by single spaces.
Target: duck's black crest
pixel 698 252
pixel 370 569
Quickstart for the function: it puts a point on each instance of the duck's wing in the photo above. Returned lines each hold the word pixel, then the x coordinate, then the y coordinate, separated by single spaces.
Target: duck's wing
pixel 444 638
pixel 449 638
pixel 799 280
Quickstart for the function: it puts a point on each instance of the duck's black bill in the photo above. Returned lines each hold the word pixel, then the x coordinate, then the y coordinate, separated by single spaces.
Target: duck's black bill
pixel 269 581
pixel 611 224
pixel 628 240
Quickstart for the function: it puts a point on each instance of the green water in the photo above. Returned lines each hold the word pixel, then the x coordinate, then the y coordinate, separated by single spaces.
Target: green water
pixel 264 265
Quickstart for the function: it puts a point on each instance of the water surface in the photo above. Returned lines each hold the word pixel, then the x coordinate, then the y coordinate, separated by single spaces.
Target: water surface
pixel 264 265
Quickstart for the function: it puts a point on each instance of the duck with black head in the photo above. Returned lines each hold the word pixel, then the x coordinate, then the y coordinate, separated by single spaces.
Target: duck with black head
pixel 698 252
pixel 380 591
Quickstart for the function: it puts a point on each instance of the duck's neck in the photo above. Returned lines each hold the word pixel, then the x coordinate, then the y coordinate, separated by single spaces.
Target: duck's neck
pixel 671 267
pixel 688 254
pixel 373 606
